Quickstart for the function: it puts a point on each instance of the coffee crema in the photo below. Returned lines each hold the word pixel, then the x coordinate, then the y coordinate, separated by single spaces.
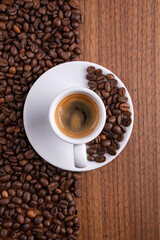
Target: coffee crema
pixel 77 115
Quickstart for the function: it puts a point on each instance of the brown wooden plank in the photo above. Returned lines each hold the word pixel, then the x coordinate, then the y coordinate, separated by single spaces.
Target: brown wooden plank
pixel 121 200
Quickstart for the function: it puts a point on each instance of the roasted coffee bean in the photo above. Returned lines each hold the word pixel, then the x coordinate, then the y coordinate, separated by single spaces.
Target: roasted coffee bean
pixel 4 201
pixel 116 112
pixel 112 136
pixel 47 223
pixel 16 184
pixel 102 136
pixel 100 86
pixel 110 76
pixel 54 211
pixel 92 84
pixel 111 150
pixel 101 151
pixel 100 158
pixel 105 143
pixel 3 7
pixel 126 121
pixel 3 233
pixel 5 178
pixel 53 186
pixel 77 193
pixel 100 77
pixel 123 129
pixel 108 126
pixel 115 144
pixel 25 186
pixel 90 157
pixel 23 237
pixel 127 113
pixel 57 22
pixel 69 197
pixel 3 62
pixel 91 70
pixel 98 71
pixel 105 94
pixel 122 99
pixel 31 214
pixel 91 77
pixel 11 192
pixel 109 100
pixel 7 224
pixel 50 235
pixel 124 107
pixel 114 91
pixel 97 139
pixel 107 87
pixel 120 138
pixel 20 219
pixel 19 193
pixel 29 154
pixel 119 119
pixel 44 182
pixel 95 146
pixel 91 151
pixel 16 29
pixel 46 214
pixel 116 129
pixel 55 198
pixel 114 83
pixel 112 119
pixel 26 197
pixel 17 200
pixel 38 219
pixel 5 194
pixel 122 92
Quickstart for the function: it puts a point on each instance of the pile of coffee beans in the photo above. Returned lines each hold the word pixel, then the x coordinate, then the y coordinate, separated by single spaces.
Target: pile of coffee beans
pixel 117 110
pixel 36 199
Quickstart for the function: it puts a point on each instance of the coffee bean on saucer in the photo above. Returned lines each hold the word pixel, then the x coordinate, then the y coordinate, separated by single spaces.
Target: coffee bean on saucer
pixel 120 138
pixel 105 143
pixel 100 158
pixel 98 72
pixel 111 150
pixel 127 121
pixel 108 126
pixel 91 158
pixel 117 110
pixel 124 107
pixel 101 151
pixel 92 84
pixel 91 151
pixel 110 76
pixel 115 144
pixel 116 129
pixel 90 70
pixel 95 146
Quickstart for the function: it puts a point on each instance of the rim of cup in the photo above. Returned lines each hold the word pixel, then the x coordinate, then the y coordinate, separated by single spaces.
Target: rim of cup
pixel 95 98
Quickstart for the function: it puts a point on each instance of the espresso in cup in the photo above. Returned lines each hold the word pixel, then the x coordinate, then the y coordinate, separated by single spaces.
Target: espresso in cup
pixel 77 115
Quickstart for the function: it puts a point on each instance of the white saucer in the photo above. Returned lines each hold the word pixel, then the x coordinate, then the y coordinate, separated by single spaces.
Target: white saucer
pixel 36 109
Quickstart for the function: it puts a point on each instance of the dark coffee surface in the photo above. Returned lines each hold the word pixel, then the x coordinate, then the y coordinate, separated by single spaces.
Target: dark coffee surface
pixel 77 115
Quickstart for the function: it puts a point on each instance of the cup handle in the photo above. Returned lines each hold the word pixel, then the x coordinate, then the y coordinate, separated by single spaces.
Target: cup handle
pixel 80 156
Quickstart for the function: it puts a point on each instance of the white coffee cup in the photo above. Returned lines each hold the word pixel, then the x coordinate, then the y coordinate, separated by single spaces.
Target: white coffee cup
pixel 79 148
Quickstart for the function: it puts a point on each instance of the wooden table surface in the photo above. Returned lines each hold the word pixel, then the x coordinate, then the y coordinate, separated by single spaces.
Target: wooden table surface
pixel 122 200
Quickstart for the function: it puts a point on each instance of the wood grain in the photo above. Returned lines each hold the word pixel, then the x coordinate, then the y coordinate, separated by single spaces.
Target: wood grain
pixel 122 200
